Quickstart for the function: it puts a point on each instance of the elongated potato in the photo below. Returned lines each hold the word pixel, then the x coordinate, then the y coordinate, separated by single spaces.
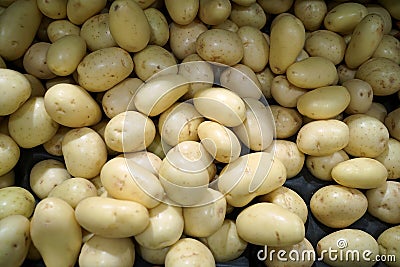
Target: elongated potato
pixel 256 48
pixel 344 17
pixel 252 15
pixel 61 28
pixel 159 28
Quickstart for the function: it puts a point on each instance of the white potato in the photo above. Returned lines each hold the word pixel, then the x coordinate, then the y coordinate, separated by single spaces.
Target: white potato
pixel 392 122
pixel 189 251
pixel 35 61
pixel 74 190
pixel 383 202
pixel 60 28
pixel 285 93
pixel 11 100
pixel 321 166
pixel 390 158
pixel 9 153
pixel 288 121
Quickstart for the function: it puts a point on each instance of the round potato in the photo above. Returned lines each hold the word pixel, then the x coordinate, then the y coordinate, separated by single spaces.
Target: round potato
pixel 11 100
pixel 96 32
pixel 383 202
pixel 328 44
pixel 182 12
pixel 252 15
pixel 61 28
pixel 9 154
pixel 79 11
pixel 311 13
pixel 285 93
pixel 213 12
pixel 16 200
pixel 378 111
pixel 386 241
pixel 390 158
pixel 189 251
pixel 35 61
pixel 287 121
pixel 159 27
pixel 344 17
pixel 389 47
pixel 338 206
pixel 361 96
pixel 392 122
pixel 74 190
pixel 321 166
pixel 53 9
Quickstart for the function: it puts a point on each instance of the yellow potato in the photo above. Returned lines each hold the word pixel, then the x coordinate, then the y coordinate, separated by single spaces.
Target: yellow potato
pixel 344 17
pixel 61 28
pixel 285 93
pixel 53 9
pixel 129 25
pixel 386 241
pixel 321 166
pixel 287 121
pixel 9 153
pixel 228 25
pixel 338 206
pixel 383 202
pixel 265 77
pixel 213 12
pixel 96 32
pixel 16 200
pixel 390 158
pixel 345 73
pixel 78 11
pixel 389 47
pixel 311 13
pixel 159 27
pixel 286 42
pixel 74 190
pixel 361 96
pixel 18 26
pixel 35 61
pixel 326 44
pixel 11 100
pixel 104 68
pixel 256 48
pixel 191 252
pixel 182 12
pixel 384 13
pixel 392 122
pixel 252 15
pixel 241 80
pixel 285 227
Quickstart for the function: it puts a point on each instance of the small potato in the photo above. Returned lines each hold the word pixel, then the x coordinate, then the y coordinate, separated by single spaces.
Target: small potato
pixel 387 241
pixel 7 179
pixel 312 72
pixel 111 218
pixel 384 13
pixel 104 68
pixel 344 17
pixel 9 154
pixel 96 32
pixel 362 173
pixel 285 93
pixel 311 13
pixel 326 44
pixel 288 199
pixel 159 27
pixel 182 12
pixel 164 229
pixel 383 202
pixel 53 9
pixel 35 61
pixel 345 73
pixel 213 12
pixel 153 256
pixel 256 48
pixel 265 77
pixel 287 121
pixel 361 96
pixel 16 200
pixel 146 159
pixel 61 28
pixel 46 175
pixel 84 152
pixel 368 136
pixel 179 123
pixel 286 42
pixel 338 206
pixel 53 146
pixel 120 98
pixel 252 15
pixel 324 102
pixel 389 47
pixel 190 252
pixel 71 105
pixel 129 131
pixel 104 252
pixel 382 74
pixel 225 244
pixel 220 46
pixel 31 125
pixel 321 166
pixel 152 60
pixel 284 227
pixel 79 11
pixel 323 137
pixel 11 100
pixel 74 190
pixel 15 239
pixel 288 153
pixel 392 122
pixel 390 158
pixel 347 241
pixel 378 111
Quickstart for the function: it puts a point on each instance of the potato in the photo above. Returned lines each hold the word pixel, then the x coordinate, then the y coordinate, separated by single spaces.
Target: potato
pixel 189 251
pixel 35 61
pixel 337 206
pixel 124 179
pixel 9 154
pixel 153 59
pixel 378 111
pixel 159 28
pixel 347 242
pixel 382 74
pixel 392 6
pixel 361 96
pixel 362 173
pixel 153 256
pixel 36 86
pixel 286 42
pixel 182 12
pixel 146 159
pixel 31 125
pixel 311 13
pixel 312 72
pixel 345 73
pixel 276 7
pixel 252 15
pixel 16 200
pixel 84 152
pixel 228 25
pixel 79 11
pixel 324 102
pixel 11 100
pixel 265 77
pixel 96 32
pixel 45 175
pixel 321 166
pixel 383 202
pixel 14 233
pixel 164 229
pixel 285 93
pixel 390 158
pixel 389 47
pixel 368 136
pixel 225 244
pixel 104 68
pixel 285 227
pixel 53 9
pixel 344 17
pixel 110 217
pixel 323 137
pixel 214 12
pixel 7 179
pixel 220 46
pixel 74 190
pixel 102 251
pixel 256 48
pixel 386 241
pixel 60 28
pixel 53 146
pixel 392 122
pixel 55 232
pixel 18 28
pixel 384 13
pixel 326 44
pixel 287 121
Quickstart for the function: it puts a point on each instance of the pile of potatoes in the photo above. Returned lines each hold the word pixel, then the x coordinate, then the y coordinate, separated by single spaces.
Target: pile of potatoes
pixel 158 111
